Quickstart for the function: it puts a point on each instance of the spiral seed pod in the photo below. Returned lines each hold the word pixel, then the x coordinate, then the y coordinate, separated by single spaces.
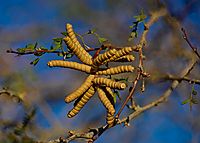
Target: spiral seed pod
pixel 126 58
pixel 79 51
pixel 71 34
pixel 110 119
pixel 83 88
pixel 103 57
pixel 72 65
pixel 116 70
pixel 109 90
pixel 120 53
pixel 83 100
pixel 110 83
pixel 106 102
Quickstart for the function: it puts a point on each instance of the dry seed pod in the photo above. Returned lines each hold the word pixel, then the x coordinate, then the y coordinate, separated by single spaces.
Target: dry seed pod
pixel 79 51
pixel 116 70
pixel 83 88
pixel 72 65
pixel 71 34
pixel 110 83
pixel 120 53
pixel 106 102
pixel 83 100
pixel 102 57
pixel 126 58
pixel 110 119
pixel 109 90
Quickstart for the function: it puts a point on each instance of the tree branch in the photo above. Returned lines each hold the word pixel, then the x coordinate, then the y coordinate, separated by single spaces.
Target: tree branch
pixel 189 43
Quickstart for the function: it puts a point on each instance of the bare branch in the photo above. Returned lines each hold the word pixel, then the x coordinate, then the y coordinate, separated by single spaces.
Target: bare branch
pixel 185 36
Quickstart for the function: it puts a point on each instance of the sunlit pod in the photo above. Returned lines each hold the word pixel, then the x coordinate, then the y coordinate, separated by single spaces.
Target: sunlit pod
pixel 72 65
pixel 103 57
pixel 106 102
pixel 110 118
pixel 79 51
pixel 120 53
pixel 126 58
pixel 116 70
pixel 82 101
pixel 83 88
pixel 109 82
pixel 71 34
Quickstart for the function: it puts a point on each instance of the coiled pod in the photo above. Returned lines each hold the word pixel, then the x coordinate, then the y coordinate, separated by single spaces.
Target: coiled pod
pixel 116 70
pixel 110 83
pixel 126 58
pixel 106 102
pixel 83 100
pixel 79 51
pixel 110 119
pixel 83 88
pixel 72 65
pixel 71 34
pixel 103 57
pixel 120 53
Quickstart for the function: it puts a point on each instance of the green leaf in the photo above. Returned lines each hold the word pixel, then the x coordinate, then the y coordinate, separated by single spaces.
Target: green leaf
pixel 116 94
pixel 141 17
pixel 64 33
pixel 57 41
pixel 102 40
pixel 194 92
pixel 21 50
pixel 194 101
pixel 31 46
pixel 56 47
pixel 185 101
pixel 69 56
pixel 91 31
pixel 35 61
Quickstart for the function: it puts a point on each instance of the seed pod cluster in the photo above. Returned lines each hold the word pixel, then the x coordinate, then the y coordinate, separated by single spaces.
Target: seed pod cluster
pixel 94 82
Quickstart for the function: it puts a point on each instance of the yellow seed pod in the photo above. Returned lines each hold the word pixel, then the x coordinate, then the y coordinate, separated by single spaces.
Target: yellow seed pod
pixel 72 65
pixel 110 83
pixel 83 100
pixel 126 58
pixel 109 90
pixel 116 70
pixel 79 51
pixel 71 34
pixel 83 88
pixel 103 57
pixel 106 102
pixel 110 119
pixel 120 53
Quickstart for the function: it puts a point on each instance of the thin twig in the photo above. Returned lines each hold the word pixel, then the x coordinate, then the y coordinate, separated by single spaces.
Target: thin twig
pixel 185 36
pixel 171 77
